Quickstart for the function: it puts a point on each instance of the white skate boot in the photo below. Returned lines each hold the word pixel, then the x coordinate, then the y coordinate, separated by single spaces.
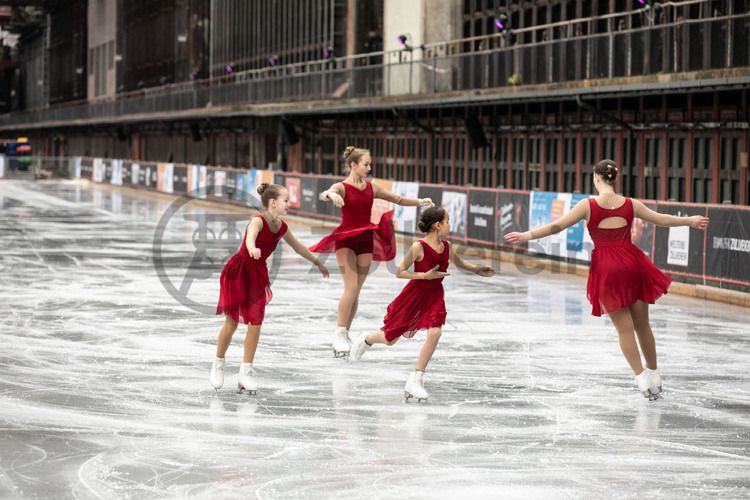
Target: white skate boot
pixel 414 387
pixel 246 379
pixel 358 348
pixel 341 343
pixel 217 373
pixel 654 378
pixel 643 382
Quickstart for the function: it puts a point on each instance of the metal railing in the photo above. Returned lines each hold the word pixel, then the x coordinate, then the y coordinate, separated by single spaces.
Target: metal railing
pixel 681 46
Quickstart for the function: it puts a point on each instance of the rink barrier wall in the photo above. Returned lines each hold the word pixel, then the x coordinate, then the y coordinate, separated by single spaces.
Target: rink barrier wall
pixel 704 260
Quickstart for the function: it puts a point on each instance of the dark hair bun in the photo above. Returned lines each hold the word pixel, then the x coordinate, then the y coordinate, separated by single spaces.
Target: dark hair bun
pixel 607 169
pixel 429 217
pixel 262 188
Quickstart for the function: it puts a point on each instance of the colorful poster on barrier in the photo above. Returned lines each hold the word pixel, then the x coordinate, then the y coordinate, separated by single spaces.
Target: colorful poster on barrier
pixel 252 181
pixel 97 174
pixel 116 172
pixel 180 179
pixel 165 177
pixel 728 244
pixel 76 167
pixel 309 194
pixel 454 202
pixel 512 215
pixel 240 184
pixel 294 188
pixel 147 177
pixel 197 179
pixel 2 167
pixel 379 207
pixel 575 237
pixel 481 224
pixel 220 180
pixel 678 246
pixel 406 217
pixel 547 207
pixel 667 242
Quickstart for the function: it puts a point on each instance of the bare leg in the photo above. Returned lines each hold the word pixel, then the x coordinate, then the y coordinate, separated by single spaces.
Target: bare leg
pixel 363 268
pixel 639 313
pixel 251 343
pixel 225 336
pixel 428 348
pixel 347 261
pixel 379 338
pixel 624 324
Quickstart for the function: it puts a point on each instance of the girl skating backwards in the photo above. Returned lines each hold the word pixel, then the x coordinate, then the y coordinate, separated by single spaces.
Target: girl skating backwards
pixel 420 305
pixel 245 287
pixel 357 241
pixel 622 280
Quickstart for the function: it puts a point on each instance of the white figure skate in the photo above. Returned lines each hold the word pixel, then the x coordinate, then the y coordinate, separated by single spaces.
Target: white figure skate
pixel 643 382
pixel 246 379
pixel 414 387
pixel 358 348
pixel 217 373
pixel 654 378
pixel 341 342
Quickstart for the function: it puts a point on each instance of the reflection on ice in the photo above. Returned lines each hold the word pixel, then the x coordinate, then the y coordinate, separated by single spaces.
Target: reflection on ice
pixel 104 378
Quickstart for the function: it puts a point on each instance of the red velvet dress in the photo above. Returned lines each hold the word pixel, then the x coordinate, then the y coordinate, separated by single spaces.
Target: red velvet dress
pixel 356 225
pixel 245 287
pixel 420 305
pixel 620 273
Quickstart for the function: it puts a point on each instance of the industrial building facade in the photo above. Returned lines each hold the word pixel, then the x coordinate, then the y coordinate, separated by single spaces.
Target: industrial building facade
pixel 519 95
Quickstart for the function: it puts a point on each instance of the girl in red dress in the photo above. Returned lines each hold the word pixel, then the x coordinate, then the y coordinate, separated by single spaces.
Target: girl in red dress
pixel 420 305
pixel 245 287
pixel 357 241
pixel 622 280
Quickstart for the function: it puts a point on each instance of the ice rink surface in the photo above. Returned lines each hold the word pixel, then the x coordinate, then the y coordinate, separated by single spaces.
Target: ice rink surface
pixel 104 389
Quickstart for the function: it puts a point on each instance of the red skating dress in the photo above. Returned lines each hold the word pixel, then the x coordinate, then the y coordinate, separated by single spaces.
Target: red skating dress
pixel 356 230
pixel 420 305
pixel 245 287
pixel 620 273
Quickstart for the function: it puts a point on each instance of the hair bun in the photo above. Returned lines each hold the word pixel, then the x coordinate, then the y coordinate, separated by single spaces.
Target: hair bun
pixel 262 188
pixel 349 150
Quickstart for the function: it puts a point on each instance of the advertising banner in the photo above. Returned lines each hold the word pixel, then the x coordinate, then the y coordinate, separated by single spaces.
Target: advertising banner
pixel 406 217
pixel 481 223
pixel 2 167
pixel 309 194
pixel 116 172
pixel 454 202
pixel 220 181
pixel 728 244
pixel 512 215
pixel 76 167
pixel 294 188
pixel 97 174
pixel 135 174
pixel 677 249
pixel 180 179
pixel 572 243
pixel 642 232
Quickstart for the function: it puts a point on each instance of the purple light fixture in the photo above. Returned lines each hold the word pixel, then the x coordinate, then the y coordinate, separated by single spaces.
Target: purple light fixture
pixel 229 69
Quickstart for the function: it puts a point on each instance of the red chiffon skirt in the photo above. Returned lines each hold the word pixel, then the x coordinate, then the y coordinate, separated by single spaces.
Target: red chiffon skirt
pixel 245 290
pixel 419 306
pixel 383 244
pixel 621 275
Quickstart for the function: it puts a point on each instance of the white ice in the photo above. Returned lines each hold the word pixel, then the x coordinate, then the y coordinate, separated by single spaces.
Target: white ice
pixel 104 389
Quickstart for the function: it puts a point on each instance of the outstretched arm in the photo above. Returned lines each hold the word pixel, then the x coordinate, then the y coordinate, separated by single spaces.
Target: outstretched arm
pixel 379 192
pixel 253 229
pixel 579 212
pixel 485 271
pixel 304 252
pixel 643 212
pixel 335 194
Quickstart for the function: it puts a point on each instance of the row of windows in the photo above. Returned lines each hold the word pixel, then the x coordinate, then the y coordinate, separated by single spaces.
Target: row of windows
pixel 515 162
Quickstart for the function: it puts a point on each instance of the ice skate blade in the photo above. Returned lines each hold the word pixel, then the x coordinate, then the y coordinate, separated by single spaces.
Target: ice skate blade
pixel 408 396
pixel 242 390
